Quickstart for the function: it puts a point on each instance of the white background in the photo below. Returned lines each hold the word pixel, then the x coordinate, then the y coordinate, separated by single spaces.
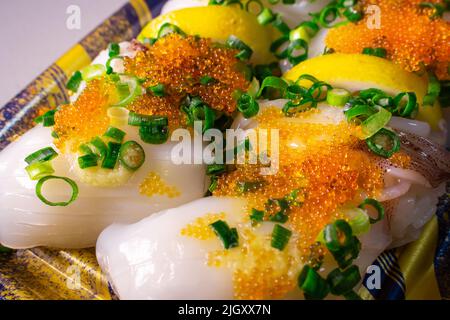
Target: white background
pixel 33 35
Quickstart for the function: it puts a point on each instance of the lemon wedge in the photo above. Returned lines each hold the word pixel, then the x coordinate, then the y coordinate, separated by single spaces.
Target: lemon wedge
pixel 218 23
pixel 357 71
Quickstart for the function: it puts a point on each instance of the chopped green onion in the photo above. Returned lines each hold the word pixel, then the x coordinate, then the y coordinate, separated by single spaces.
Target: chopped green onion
pixel 266 16
pixel 279 24
pixel 275 83
pixel 338 97
pixel 44 154
pixel 112 153
pixel 136 119
pixel 248 186
pixel 384 143
pixel 280 47
pixel 157 90
pixel 405 109
pixel 352 14
pixel 377 52
pixel 245 52
pixel 37 170
pixel 253 88
pixel 300 32
pixel 266 70
pixel 248 106
pixel 74 82
pixel 47 119
pixel 346 3
pixel 115 134
pixel 280 237
pixel 215 169
pixel 297 51
pixel 315 91
pixel 87 161
pixel 72 184
pixel 85 149
pixel 113 49
pixel 205 80
pixel 368 94
pixel 229 237
pixel 342 282
pixel 100 147
pixel 306 77
pixel 438 9
pixel 305 104
pixel 375 123
pixel 358 220
pixel 155 132
pixel 359 111
pixel 257 215
pixel 282 207
pixel 327 16
pixel 213 184
pixel 433 91
pixel 339 240
pixel 352 295
pixel 132 155
pixel 312 284
pixel 93 71
pixel 168 28
pixel 295 92
pixel 133 90
pixel 377 206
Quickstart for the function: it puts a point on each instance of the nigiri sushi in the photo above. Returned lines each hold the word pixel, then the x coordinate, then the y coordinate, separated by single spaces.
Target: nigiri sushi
pixel 348 186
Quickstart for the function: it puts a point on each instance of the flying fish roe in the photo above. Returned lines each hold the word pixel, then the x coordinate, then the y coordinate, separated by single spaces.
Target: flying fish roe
pixel 179 63
pixel 411 37
pixel 84 119
pixel 153 185
pixel 200 228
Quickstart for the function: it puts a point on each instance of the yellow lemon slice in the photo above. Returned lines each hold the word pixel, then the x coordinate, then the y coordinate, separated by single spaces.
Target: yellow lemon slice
pixel 357 71
pixel 218 23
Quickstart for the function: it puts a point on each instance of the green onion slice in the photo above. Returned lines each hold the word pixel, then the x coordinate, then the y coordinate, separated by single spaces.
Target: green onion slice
pixel 338 97
pixel 133 90
pixel 375 123
pixel 168 28
pixel 155 132
pixel 305 104
pixel 132 155
pixel 316 91
pixel 93 71
pixel 215 169
pixel 113 49
pixel 273 82
pixel 74 82
pixel 280 237
pixel 405 109
pixel 248 106
pixel 47 119
pixel 341 242
pixel 72 184
pixel 358 220
pixel 87 161
pixel 37 170
pixel 229 237
pixel 265 16
pixel 433 92
pixel 257 215
pixel 312 284
pixel 157 90
pixel 342 282
pixel 384 143
pixel 297 51
pixel 112 153
pixel 115 133
pixel 100 147
pixel 377 206
pixel 245 52
pixel 280 47
pixel 42 155
pixel 279 24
